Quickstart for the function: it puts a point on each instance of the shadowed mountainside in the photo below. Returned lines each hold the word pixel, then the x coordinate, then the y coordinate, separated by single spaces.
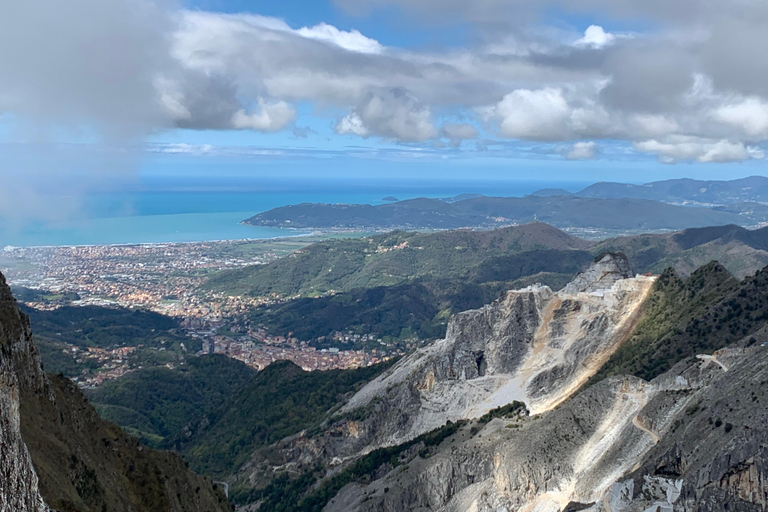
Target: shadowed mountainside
pixel 77 461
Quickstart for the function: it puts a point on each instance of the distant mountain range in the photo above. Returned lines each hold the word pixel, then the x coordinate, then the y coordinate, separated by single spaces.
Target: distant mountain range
pixel 605 207
pixel 564 212
pixel 402 284
pixel 682 191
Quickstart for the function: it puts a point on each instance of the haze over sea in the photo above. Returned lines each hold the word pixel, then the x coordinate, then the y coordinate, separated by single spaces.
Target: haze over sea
pixel 164 212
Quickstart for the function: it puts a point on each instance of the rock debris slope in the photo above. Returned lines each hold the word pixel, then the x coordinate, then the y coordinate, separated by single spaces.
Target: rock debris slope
pixel 56 452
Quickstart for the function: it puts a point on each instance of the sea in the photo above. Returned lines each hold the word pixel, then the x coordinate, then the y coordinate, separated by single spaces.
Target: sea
pixel 168 212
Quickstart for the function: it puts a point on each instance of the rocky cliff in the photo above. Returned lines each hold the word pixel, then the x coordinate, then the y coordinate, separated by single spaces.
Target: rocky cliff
pixel 534 345
pixel 56 452
pixel 692 439
pixel 18 368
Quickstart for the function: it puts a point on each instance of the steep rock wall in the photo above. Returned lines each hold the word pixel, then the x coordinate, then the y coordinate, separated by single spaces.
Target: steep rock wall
pixel 534 345
pixel 56 451
pixel 18 480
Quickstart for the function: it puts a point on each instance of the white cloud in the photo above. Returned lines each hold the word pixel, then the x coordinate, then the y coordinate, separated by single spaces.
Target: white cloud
pixel 534 114
pixel 157 67
pixel 353 40
pixel 271 117
pixel 701 150
pixel 352 125
pixel 595 37
pixel 749 115
pixel 585 150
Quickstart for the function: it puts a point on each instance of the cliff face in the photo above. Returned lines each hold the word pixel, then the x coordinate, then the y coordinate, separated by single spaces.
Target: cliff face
pixel 692 439
pixel 18 364
pixel 56 451
pixel 534 345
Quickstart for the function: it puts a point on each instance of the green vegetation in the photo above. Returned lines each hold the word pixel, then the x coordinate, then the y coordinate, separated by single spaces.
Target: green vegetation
pixel 682 318
pixel 391 259
pixel 285 494
pixel 23 294
pixel 401 285
pixel 101 327
pixel 421 307
pixel 505 411
pixel 279 401
pixel 158 402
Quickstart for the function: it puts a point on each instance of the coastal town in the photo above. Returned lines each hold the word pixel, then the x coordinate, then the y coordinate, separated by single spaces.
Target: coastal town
pixel 166 279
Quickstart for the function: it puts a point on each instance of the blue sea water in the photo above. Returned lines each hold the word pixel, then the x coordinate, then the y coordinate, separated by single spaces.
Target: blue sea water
pixel 171 211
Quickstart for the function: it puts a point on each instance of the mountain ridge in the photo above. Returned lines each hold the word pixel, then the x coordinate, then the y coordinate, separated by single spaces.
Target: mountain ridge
pixel 572 212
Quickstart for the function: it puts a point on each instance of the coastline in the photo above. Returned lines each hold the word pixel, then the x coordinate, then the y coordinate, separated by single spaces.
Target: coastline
pixel 162 244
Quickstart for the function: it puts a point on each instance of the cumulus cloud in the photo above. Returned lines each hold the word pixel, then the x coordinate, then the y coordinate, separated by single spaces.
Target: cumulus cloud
pixel 391 114
pixel 532 114
pixel 749 115
pixel 693 89
pixel 584 150
pixel 595 37
pixel 271 117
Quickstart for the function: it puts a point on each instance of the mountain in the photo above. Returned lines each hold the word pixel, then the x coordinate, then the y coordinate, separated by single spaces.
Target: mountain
pixel 384 260
pixel 152 403
pixel 507 413
pixel 280 401
pixel 403 285
pixel 612 214
pixel 744 190
pixel 740 250
pixel 56 453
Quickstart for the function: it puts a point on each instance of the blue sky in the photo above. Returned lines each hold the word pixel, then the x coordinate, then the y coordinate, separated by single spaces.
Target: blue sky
pixel 577 91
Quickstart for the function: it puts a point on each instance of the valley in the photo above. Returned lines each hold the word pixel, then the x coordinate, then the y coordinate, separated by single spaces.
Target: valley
pixel 532 370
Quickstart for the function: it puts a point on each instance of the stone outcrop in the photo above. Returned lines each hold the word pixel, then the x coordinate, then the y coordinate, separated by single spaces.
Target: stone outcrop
pixel 607 269
pixel 56 453
pixel 693 439
pixel 533 345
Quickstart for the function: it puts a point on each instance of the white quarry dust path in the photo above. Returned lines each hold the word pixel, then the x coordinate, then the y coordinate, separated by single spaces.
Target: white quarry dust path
pixel 711 359
pixel 638 422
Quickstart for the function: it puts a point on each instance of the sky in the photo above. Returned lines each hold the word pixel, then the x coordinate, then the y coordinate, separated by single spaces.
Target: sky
pixel 95 93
